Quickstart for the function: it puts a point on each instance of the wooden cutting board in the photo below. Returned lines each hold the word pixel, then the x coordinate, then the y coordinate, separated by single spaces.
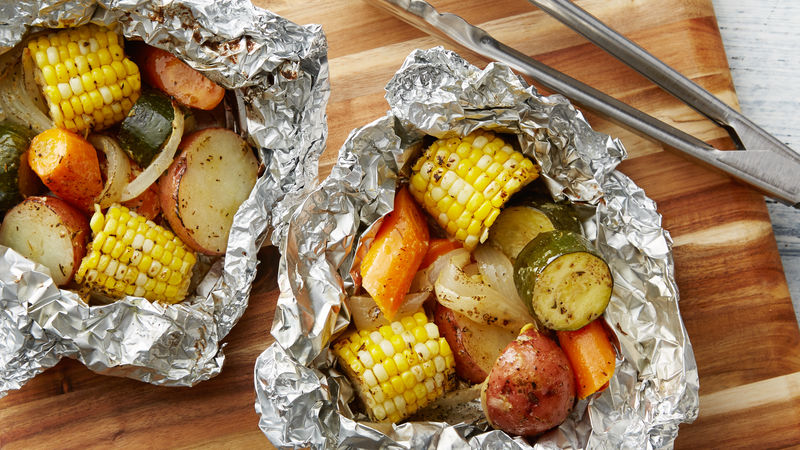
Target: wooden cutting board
pixel 734 298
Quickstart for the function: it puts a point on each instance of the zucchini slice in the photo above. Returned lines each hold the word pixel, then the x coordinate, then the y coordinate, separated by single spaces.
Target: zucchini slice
pixel 147 127
pixel 563 280
pixel 515 227
pixel 519 224
pixel 17 180
pixel 562 215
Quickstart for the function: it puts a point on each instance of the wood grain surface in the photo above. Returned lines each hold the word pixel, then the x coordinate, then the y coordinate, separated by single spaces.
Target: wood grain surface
pixel 761 41
pixel 734 297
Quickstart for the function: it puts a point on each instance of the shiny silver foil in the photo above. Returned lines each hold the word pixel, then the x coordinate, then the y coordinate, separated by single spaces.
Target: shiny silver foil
pixel 303 399
pixel 278 72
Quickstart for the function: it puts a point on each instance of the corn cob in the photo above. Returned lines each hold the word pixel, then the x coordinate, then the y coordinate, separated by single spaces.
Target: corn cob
pixel 397 368
pixel 86 79
pixel 130 255
pixel 463 183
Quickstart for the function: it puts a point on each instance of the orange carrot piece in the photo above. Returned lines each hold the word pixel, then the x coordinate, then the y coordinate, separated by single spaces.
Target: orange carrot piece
pixel 591 355
pixel 166 72
pixel 390 264
pixel 67 164
pixel 437 248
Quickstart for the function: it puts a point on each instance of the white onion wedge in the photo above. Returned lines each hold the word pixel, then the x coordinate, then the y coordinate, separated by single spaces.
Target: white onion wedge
pixel 475 299
pixel 426 278
pixel 118 169
pixel 366 314
pixel 497 270
pixel 20 97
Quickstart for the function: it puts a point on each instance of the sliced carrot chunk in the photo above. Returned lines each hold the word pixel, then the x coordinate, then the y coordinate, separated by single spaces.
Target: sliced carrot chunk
pixel 437 248
pixel 67 164
pixel 591 355
pixel 390 264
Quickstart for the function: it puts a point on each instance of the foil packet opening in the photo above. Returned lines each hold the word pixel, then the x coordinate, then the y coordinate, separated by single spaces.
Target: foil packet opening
pixel 304 400
pixel 277 76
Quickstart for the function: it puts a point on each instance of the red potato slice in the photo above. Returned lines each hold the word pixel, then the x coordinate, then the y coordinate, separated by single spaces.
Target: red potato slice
pixel 49 231
pixel 475 346
pixel 530 388
pixel 177 79
pixel 202 189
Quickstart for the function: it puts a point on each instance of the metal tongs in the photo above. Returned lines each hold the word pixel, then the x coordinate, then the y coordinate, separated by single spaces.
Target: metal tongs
pixel 767 164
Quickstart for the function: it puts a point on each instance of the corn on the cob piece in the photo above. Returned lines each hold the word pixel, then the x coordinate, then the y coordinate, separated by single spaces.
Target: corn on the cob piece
pixel 87 80
pixel 463 183
pixel 130 255
pixel 397 368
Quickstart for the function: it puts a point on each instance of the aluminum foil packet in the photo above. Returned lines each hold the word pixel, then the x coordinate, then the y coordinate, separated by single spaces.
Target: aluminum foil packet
pixel 301 396
pixel 278 74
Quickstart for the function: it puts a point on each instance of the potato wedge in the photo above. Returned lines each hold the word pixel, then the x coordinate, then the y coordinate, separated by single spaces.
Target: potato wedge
pixel 475 346
pixel 204 186
pixel 49 231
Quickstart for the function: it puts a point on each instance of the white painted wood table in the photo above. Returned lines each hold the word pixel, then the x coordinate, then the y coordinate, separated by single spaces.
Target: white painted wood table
pixel 762 42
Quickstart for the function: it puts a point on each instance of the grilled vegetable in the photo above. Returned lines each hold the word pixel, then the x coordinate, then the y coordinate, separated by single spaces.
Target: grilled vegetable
pixel 397 368
pixel 591 356
pixel 564 282
pixel 515 227
pixel 147 127
pixel 87 81
pixel 167 73
pixel 130 255
pixel 475 346
pixel 561 215
pixel 464 182
pixel 68 165
pixel 392 260
pixel 160 163
pixel 461 288
pixel 49 231
pixel 530 215
pixel 16 177
pixel 21 97
pixel 436 249
pixel 205 185
pixel 530 388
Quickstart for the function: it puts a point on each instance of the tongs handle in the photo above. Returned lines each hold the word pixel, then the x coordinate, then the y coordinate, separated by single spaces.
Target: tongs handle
pixel 744 131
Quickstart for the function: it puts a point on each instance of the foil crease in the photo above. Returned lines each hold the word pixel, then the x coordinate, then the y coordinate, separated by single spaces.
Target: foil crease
pixel 278 73
pixel 303 400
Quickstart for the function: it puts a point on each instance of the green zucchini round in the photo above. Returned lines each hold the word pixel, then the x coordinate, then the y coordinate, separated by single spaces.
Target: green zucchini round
pixel 146 128
pixel 564 282
pixel 14 170
pixel 515 227
pixel 562 215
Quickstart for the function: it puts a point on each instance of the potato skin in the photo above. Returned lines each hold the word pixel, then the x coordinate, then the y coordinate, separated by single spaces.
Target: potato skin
pixel 168 187
pixel 34 214
pixel 475 346
pixel 201 214
pixel 530 388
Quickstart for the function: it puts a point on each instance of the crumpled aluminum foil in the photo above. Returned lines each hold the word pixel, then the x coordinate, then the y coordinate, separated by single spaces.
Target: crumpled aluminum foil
pixel 302 398
pixel 279 73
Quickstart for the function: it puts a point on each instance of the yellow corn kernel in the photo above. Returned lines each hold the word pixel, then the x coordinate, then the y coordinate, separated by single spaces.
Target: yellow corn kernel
pixel 116 255
pixel 469 179
pixel 78 61
pixel 393 387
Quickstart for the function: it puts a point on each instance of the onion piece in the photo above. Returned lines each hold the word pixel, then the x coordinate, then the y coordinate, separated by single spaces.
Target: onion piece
pixel 20 97
pixel 160 163
pixel 497 271
pixel 474 298
pixel 366 314
pixel 426 278
pixel 118 169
